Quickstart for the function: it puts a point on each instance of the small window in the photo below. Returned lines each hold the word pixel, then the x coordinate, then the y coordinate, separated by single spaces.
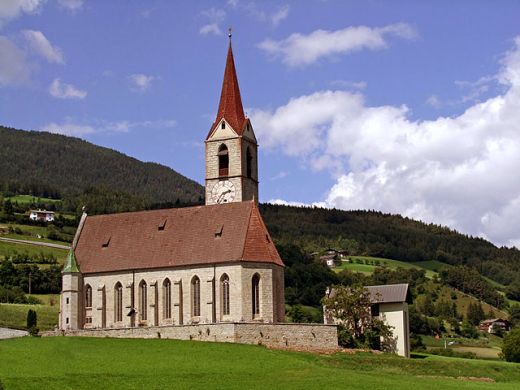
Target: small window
pixel 218 231
pixel 67 320
pixel 162 225
pixel 143 300
pixel 249 162
pixel 223 125
pixel 106 242
pixel 67 301
pixel 374 310
pixel 88 296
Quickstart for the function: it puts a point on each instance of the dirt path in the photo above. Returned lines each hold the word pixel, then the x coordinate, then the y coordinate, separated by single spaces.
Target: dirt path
pixel 6 333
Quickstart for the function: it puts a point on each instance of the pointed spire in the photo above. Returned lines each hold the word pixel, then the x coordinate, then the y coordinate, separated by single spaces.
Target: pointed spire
pixel 71 265
pixel 230 107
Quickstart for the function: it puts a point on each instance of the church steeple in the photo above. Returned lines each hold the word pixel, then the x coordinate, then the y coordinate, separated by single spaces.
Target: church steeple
pixel 230 106
pixel 231 147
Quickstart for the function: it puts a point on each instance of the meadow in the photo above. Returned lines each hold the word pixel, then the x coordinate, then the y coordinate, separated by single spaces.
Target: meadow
pixel 85 363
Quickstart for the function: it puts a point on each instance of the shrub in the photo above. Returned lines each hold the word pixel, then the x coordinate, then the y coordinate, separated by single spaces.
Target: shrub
pixel 452 353
pixel 32 322
pixel 511 346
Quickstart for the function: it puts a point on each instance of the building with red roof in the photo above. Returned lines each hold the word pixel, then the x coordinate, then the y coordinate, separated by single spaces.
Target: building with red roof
pixel 198 265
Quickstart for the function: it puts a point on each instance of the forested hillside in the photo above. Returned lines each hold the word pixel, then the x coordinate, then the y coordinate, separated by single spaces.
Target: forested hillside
pixel 56 166
pixel 376 234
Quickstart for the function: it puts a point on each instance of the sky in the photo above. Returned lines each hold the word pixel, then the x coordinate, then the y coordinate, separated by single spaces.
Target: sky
pixel 407 107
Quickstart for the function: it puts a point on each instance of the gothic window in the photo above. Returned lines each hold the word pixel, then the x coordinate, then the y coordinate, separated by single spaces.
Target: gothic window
pixel 195 297
pixel 118 302
pixel 224 286
pixel 223 160
pixel 167 299
pixel 143 300
pixel 249 162
pixel 88 296
pixel 255 292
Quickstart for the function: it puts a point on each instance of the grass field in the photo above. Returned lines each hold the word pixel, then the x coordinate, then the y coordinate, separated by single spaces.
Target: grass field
pixel 28 199
pixel 86 363
pixel 356 266
pixel 15 315
pixel 8 248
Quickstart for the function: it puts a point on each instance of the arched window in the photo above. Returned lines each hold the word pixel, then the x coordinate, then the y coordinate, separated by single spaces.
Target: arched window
pixel 249 162
pixel 118 302
pixel 143 300
pixel 88 296
pixel 223 160
pixel 195 297
pixel 167 299
pixel 224 288
pixel 255 292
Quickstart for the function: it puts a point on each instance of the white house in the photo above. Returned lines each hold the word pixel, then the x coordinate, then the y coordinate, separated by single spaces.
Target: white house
pixel 389 302
pixel 41 215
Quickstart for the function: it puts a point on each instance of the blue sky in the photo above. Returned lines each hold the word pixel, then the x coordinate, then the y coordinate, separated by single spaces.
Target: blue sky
pixel 406 107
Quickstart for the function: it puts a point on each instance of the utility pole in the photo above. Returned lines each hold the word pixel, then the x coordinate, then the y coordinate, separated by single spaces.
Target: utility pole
pixel 30 289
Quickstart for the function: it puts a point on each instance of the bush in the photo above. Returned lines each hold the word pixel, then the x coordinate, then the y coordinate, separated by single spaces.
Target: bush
pixel 511 346
pixel 32 322
pixel 452 353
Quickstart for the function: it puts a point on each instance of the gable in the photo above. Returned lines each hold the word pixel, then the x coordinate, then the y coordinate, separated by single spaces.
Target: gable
pixel 219 133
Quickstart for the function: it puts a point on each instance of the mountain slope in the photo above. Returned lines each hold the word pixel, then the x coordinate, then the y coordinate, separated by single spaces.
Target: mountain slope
pixel 69 166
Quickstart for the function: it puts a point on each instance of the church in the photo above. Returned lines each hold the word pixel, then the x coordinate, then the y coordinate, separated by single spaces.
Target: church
pixel 207 264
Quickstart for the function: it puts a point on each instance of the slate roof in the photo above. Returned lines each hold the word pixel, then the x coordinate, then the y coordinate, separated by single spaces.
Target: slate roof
pixel 390 293
pixel 201 235
pixel 230 106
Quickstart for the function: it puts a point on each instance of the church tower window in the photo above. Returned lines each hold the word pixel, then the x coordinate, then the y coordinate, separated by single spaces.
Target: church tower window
pixel 256 295
pixel 118 302
pixel 143 300
pixel 223 160
pixel 249 162
pixel 224 285
pixel 195 297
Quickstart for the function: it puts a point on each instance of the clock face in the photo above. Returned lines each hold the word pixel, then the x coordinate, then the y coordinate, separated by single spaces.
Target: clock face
pixel 223 192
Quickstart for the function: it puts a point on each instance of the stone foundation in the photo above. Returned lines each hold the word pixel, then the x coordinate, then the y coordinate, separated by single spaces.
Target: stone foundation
pixel 315 337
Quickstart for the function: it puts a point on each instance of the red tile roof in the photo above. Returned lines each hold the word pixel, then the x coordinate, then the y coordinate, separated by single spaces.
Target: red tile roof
pixel 190 236
pixel 230 107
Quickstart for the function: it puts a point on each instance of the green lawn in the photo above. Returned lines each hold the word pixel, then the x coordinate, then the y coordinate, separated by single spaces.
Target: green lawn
pixel 28 199
pixel 8 248
pixel 358 265
pixel 15 315
pixel 91 363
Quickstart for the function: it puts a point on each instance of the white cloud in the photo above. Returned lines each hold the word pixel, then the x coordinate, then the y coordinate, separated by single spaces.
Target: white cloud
pixel 349 84
pixel 41 45
pixel 300 50
pixel 11 9
pixel 71 5
pixel 216 17
pixel 433 101
pixel 13 66
pixel 279 15
pixel 459 171
pixel 70 129
pixel 61 90
pixel 141 82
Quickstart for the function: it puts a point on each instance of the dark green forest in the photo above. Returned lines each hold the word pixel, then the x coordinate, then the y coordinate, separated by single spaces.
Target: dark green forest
pixel 61 167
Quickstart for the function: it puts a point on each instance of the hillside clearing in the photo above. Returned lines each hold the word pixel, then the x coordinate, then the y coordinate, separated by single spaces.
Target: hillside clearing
pixel 83 363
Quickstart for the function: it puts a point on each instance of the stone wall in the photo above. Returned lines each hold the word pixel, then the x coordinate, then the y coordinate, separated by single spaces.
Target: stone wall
pixel 315 337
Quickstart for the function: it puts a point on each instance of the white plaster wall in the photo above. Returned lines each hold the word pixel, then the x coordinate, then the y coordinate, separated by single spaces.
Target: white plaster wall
pixel 396 315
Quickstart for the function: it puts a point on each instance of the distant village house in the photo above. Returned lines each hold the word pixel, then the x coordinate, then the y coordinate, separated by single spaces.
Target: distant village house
pixel 41 215
pixel 495 325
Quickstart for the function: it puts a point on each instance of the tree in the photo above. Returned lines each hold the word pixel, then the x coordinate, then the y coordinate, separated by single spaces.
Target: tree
pixel 475 313
pixel 350 306
pixel 511 346
pixel 32 322
pixel 514 315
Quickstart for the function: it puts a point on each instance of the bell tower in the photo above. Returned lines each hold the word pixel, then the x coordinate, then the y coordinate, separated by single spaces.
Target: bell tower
pixel 231 147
